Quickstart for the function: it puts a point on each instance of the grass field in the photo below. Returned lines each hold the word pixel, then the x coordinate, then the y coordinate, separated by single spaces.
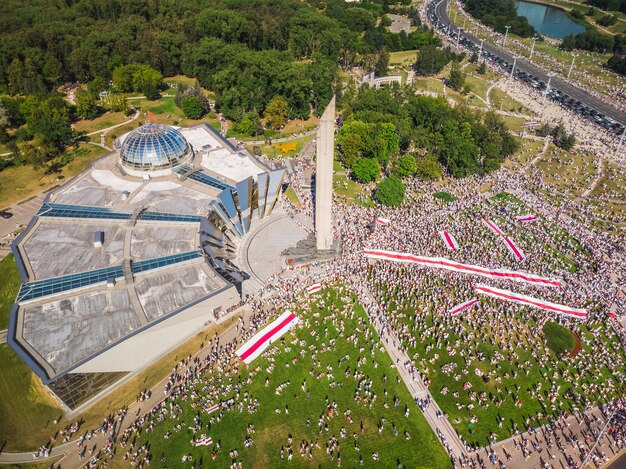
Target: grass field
pixel 19 183
pixel 293 197
pixel 444 196
pixel 272 152
pixel 26 409
pixel 527 151
pixel 567 172
pixel 502 101
pixel 314 373
pixel 104 121
pixel 351 190
pixel 10 281
pixel 428 84
pixel 559 339
pixel 402 58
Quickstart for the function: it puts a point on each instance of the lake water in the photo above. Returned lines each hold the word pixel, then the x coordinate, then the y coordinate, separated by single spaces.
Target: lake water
pixel 547 20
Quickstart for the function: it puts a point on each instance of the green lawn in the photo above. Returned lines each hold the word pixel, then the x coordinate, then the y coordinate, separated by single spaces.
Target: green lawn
pixel 559 339
pixel 26 409
pixel 20 183
pixel 503 102
pixel 402 58
pixel 104 121
pixel 568 172
pixel 428 84
pixel 272 152
pixel 350 191
pixel 293 197
pixel 444 196
pixel 10 281
pixel 311 372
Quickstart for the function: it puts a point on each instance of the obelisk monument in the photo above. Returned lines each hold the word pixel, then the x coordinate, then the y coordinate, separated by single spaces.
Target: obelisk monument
pixel 324 178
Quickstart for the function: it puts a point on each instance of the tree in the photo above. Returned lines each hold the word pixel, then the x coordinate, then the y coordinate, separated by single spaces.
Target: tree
pixel 431 60
pixel 482 68
pixel 276 112
pixel 96 86
pixel 85 104
pixel 139 78
pixel 382 64
pixel 49 119
pixel 568 42
pixel 406 165
pixel 457 77
pixel 473 58
pixel 428 169
pixel 249 125
pixel 117 102
pixel 391 191
pixel 366 170
pixel 192 107
pixel 351 146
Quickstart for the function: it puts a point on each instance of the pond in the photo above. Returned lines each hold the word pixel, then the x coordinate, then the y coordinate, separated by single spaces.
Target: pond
pixel 548 20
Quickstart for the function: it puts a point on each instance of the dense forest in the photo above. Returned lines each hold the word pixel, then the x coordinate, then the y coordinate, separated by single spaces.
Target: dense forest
pixel 247 51
pixel 398 133
pixel 500 13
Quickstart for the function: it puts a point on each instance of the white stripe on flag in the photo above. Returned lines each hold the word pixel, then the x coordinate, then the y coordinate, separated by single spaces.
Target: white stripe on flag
pixel 264 338
pixel 526 218
pixel 212 409
pixel 382 221
pixel 493 227
pixel 447 264
pixel 530 301
pixel 449 240
pixel 313 288
pixel 463 306
pixel 514 249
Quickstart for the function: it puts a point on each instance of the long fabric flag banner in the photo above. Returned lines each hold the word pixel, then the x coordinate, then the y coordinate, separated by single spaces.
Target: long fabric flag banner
pixel 383 221
pixel 212 409
pixel 449 240
pixel 202 442
pixel 442 263
pixel 266 336
pixel 530 301
pixel 517 252
pixel 493 227
pixel 463 306
pixel 313 288
pixel 526 218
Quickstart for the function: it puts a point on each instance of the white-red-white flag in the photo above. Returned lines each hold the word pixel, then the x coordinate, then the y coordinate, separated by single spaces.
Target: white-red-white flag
pixel 493 227
pixel 383 221
pixel 314 288
pixel 202 442
pixel 449 240
pixel 514 249
pixel 266 336
pixel 463 306
pixel 528 218
pixel 531 301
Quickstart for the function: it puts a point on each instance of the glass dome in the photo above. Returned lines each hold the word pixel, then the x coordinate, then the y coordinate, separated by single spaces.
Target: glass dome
pixel 154 147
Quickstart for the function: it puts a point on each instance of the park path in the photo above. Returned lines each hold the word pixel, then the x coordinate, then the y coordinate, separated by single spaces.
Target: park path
pixel 596 180
pixel 70 452
pixel 283 139
pixel 539 155
pixel 107 129
pixel 440 425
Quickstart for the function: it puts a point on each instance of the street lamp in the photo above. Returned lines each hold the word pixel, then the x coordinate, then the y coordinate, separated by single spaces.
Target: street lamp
pixel 572 65
pixel 550 75
pixel 455 17
pixel 513 67
pixel 458 37
pixel 480 52
pixel 532 48
pixel 506 35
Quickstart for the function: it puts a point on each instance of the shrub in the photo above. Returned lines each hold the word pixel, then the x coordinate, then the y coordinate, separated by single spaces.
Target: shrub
pixel 558 338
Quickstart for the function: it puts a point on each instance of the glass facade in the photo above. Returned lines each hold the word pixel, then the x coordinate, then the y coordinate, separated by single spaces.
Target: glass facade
pixel 75 389
pixel 154 146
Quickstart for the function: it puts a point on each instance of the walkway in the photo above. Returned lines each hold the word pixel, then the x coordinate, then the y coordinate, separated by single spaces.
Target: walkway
pixel 283 139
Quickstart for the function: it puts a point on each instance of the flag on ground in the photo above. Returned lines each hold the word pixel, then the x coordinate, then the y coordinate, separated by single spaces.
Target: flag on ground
pixel 202 442
pixel 514 249
pixel 493 227
pixel 448 264
pixel 449 240
pixel 463 306
pixel 526 218
pixel 212 409
pixel 530 301
pixel 266 336
pixel 314 288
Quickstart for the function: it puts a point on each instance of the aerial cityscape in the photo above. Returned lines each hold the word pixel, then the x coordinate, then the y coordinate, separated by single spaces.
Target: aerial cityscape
pixel 313 233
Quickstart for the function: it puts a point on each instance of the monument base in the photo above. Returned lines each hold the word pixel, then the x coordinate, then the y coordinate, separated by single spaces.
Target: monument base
pixel 306 251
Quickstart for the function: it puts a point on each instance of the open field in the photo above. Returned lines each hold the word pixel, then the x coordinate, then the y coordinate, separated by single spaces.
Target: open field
pixel 314 385
pixel 104 121
pixel 402 58
pixel 272 152
pixel 568 172
pixel 10 281
pixel 19 183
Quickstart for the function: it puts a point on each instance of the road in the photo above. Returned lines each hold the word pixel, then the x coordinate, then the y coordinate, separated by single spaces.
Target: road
pixel 522 64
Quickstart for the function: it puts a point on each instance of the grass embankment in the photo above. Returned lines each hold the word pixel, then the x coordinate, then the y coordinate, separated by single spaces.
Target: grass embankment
pixel 9 286
pixel 559 339
pixel 315 373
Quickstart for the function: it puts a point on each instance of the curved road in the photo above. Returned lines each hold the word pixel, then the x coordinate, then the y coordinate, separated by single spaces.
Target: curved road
pixel 523 64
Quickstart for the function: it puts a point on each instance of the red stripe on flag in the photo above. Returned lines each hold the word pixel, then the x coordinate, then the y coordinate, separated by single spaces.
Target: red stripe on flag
pixel 267 336
pixel 449 240
pixel 514 248
pixel 402 257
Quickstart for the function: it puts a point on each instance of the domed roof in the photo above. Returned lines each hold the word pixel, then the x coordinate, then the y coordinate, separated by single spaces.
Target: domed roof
pixel 154 146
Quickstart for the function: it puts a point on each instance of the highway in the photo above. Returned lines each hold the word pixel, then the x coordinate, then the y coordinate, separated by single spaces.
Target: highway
pixel 523 65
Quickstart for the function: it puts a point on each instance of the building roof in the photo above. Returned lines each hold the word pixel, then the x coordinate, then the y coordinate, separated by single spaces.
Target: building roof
pixel 154 146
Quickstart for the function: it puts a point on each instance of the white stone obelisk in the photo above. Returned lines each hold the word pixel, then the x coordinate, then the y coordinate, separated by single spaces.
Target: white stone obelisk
pixel 324 178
